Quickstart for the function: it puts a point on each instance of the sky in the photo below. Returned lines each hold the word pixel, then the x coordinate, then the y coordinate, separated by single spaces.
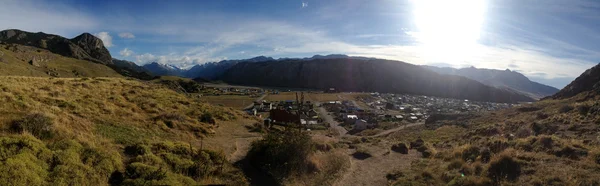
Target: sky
pixel 549 41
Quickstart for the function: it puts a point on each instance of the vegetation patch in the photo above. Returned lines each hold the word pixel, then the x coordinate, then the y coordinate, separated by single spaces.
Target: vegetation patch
pixel 37 124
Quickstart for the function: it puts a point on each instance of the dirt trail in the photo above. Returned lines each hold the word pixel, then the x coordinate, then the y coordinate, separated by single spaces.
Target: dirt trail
pixel 389 131
pixel 372 171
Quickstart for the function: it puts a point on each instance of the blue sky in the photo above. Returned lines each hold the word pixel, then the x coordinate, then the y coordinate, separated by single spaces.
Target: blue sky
pixel 550 41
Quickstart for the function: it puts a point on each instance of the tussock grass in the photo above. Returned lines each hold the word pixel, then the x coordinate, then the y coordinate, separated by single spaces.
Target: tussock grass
pixel 96 131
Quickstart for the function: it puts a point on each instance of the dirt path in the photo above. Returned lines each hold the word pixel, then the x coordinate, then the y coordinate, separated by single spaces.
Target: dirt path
pixel 329 119
pixel 372 171
pixel 252 104
pixel 389 131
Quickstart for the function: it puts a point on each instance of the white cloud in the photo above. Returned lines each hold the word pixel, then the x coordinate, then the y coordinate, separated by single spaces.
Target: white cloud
pixel 145 58
pixel 304 4
pixel 126 35
pixel 50 17
pixel 106 38
pixel 126 52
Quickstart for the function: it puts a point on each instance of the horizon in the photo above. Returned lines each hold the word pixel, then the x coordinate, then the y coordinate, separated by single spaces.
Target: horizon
pixel 550 43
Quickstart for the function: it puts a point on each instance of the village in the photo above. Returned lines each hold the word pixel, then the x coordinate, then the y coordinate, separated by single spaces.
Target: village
pixel 353 113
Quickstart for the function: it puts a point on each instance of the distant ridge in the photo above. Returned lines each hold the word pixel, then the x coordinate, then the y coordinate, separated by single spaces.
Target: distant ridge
pixel 500 79
pixel 358 75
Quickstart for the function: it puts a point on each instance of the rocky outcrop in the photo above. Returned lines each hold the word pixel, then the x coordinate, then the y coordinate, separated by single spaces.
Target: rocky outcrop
pixel 84 46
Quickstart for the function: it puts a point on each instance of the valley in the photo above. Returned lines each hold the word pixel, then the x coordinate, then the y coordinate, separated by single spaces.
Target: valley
pixel 74 115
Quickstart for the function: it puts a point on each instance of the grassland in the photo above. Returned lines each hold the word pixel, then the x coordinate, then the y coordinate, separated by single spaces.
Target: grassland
pixel 233 101
pixel 15 60
pixel 100 131
pixel 311 96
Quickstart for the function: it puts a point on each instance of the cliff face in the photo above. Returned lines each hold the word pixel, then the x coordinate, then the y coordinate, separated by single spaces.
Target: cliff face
pixel 84 46
pixel 368 75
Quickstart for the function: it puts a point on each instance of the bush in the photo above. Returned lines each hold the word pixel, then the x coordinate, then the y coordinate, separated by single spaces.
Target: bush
pixel 504 167
pixel 361 154
pixel 38 124
pixel 282 154
pixel 417 144
pixel 584 109
pixel 400 148
pixel 565 109
pixel 470 153
pixel 207 117
pixel 137 149
pixel 595 156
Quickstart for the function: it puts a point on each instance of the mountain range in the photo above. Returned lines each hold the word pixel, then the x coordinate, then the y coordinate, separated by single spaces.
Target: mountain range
pixel 500 79
pixel 364 75
pixel 317 72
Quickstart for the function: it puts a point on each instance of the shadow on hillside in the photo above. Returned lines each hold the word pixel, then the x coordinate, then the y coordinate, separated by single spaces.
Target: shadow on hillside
pixel 255 176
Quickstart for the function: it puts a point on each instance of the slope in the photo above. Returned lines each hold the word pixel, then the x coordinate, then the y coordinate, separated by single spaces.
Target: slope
pixel 101 131
pixel 501 79
pixel 550 142
pixel 85 46
pixel 588 82
pixel 19 60
pixel 369 75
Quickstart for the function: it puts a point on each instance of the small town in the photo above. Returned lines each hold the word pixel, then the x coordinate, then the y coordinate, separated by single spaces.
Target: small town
pixel 365 111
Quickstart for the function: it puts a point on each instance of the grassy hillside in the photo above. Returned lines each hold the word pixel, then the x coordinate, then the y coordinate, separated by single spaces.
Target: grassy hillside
pixel 19 60
pixel 96 131
pixel 552 142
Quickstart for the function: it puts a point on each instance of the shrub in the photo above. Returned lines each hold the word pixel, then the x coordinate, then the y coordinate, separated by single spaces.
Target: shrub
pixel 486 155
pixel 595 156
pixel 455 164
pixel 361 154
pixel 504 167
pixel 565 109
pixel 207 117
pixel 282 154
pixel 400 148
pixel 417 143
pixel 470 153
pixel 583 109
pixel 38 124
pixel 137 149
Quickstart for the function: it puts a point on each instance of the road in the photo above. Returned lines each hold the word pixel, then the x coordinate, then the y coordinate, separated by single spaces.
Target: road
pixel 329 119
pixel 252 104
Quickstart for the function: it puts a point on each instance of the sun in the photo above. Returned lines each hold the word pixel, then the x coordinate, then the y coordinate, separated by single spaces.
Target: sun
pixel 448 29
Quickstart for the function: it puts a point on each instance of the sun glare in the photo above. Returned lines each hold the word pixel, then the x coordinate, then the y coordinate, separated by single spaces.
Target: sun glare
pixel 448 30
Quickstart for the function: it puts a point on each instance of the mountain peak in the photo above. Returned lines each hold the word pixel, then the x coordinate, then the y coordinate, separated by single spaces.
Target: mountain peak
pixel 85 46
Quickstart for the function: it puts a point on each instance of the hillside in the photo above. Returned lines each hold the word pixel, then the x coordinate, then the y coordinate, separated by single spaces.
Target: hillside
pixel 368 75
pixel 101 131
pixel 588 82
pixel 85 46
pixel 500 79
pixel 551 142
pixel 19 60
pixel 130 69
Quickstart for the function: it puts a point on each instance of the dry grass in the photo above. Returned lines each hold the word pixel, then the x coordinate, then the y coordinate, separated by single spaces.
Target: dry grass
pixel 15 62
pixel 107 114
pixel 233 101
